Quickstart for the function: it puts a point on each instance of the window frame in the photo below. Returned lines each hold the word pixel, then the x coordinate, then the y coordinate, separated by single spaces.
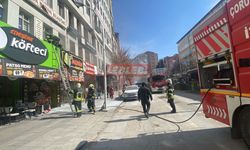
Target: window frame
pixel 23 18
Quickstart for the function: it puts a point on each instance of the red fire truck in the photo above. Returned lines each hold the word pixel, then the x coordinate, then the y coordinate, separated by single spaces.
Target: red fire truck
pixel 222 42
pixel 157 80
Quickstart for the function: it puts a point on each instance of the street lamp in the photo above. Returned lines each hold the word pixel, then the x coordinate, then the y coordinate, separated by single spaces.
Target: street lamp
pixel 79 3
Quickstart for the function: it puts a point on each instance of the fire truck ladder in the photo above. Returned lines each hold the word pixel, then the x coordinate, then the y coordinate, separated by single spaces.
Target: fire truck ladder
pixel 64 77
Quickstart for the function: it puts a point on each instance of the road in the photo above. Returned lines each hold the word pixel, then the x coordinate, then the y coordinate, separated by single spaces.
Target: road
pixel 123 127
pixel 129 129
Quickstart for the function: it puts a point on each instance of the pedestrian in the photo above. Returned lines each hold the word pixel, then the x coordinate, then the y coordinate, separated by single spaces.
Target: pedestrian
pixel 111 92
pixel 78 98
pixel 170 96
pixel 143 95
pixel 91 98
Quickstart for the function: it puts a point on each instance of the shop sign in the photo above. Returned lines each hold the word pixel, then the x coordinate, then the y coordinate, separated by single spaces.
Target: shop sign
pixel 21 46
pixel 46 73
pixel 75 67
pixel 24 48
pixel 43 5
pixel 72 61
pixel 90 69
pixel 19 70
pixel 76 75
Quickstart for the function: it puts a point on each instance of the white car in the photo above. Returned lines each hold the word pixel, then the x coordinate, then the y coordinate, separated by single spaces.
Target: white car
pixel 130 93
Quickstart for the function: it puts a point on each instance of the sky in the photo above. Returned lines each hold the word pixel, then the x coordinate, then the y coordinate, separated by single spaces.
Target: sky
pixel 156 25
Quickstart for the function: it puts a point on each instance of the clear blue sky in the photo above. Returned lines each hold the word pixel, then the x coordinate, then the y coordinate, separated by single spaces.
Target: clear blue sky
pixel 156 25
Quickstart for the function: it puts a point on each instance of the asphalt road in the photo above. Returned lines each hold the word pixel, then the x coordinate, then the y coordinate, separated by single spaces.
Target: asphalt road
pixel 130 130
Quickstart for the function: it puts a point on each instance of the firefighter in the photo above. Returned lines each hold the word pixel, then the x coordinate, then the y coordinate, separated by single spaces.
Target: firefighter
pixel 91 98
pixel 143 95
pixel 78 98
pixel 170 96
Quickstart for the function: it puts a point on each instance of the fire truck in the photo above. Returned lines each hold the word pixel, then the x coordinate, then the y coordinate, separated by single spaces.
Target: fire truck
pixel 157 80
pixel 222 43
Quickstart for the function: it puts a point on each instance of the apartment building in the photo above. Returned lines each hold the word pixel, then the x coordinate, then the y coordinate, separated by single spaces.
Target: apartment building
pixel 85 29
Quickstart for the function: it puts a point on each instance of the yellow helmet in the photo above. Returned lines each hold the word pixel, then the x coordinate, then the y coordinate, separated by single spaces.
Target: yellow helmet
pixel 91 85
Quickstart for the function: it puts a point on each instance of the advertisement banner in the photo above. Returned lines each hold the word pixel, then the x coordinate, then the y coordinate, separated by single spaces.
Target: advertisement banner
pixel 46 73
pixel 90 69
pixel 128 69
pixel 75 67
pixel 24 48
pixel 19 70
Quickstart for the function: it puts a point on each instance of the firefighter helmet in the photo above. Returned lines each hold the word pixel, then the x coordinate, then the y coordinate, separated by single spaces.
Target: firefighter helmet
pixel 91 85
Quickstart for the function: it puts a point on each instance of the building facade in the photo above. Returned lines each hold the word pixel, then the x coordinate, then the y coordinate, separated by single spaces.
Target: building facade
pixel 85 28
pixel 152 59
pixel 171 64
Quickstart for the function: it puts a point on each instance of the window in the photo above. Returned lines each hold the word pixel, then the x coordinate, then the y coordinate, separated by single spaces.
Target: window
pixel 24 22
pixel 72 46
pixel 89 38
pixel 61 9
pixel 88 8
pixel 244 62
pixel 80 52
pixel 71 19
pixel 1 11
pixel 62 40
pixel 79 27
pixel 47 30
pixel 49 3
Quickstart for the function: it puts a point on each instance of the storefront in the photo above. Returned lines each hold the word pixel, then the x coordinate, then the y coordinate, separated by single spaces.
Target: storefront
pixel 75 69
pixel 28 69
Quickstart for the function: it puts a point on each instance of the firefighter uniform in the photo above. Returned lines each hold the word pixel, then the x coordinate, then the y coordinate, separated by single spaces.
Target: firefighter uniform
pixel 91 98
pixel 78 98
pixel 170 96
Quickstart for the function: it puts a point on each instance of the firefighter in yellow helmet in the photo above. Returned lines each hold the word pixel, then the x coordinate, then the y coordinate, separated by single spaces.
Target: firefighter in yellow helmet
pixel 170 96
pixel 91 98
pixel 78 98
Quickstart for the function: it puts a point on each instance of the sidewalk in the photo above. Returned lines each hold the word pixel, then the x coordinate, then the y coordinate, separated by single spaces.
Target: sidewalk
pixel 57 130
pixel 110 104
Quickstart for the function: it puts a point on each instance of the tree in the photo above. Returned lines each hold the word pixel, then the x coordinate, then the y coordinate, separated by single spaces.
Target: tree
pixel 122 56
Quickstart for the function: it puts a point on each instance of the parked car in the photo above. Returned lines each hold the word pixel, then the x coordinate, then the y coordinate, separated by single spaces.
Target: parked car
pixel 130 93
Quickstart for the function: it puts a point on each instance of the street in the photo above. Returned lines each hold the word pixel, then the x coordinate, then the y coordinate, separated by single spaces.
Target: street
pixel 123 127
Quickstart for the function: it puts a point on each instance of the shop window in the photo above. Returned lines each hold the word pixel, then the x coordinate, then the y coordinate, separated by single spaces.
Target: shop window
pixel 61 9
pixel 1 11
pixel 47 30
pixel 24 22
